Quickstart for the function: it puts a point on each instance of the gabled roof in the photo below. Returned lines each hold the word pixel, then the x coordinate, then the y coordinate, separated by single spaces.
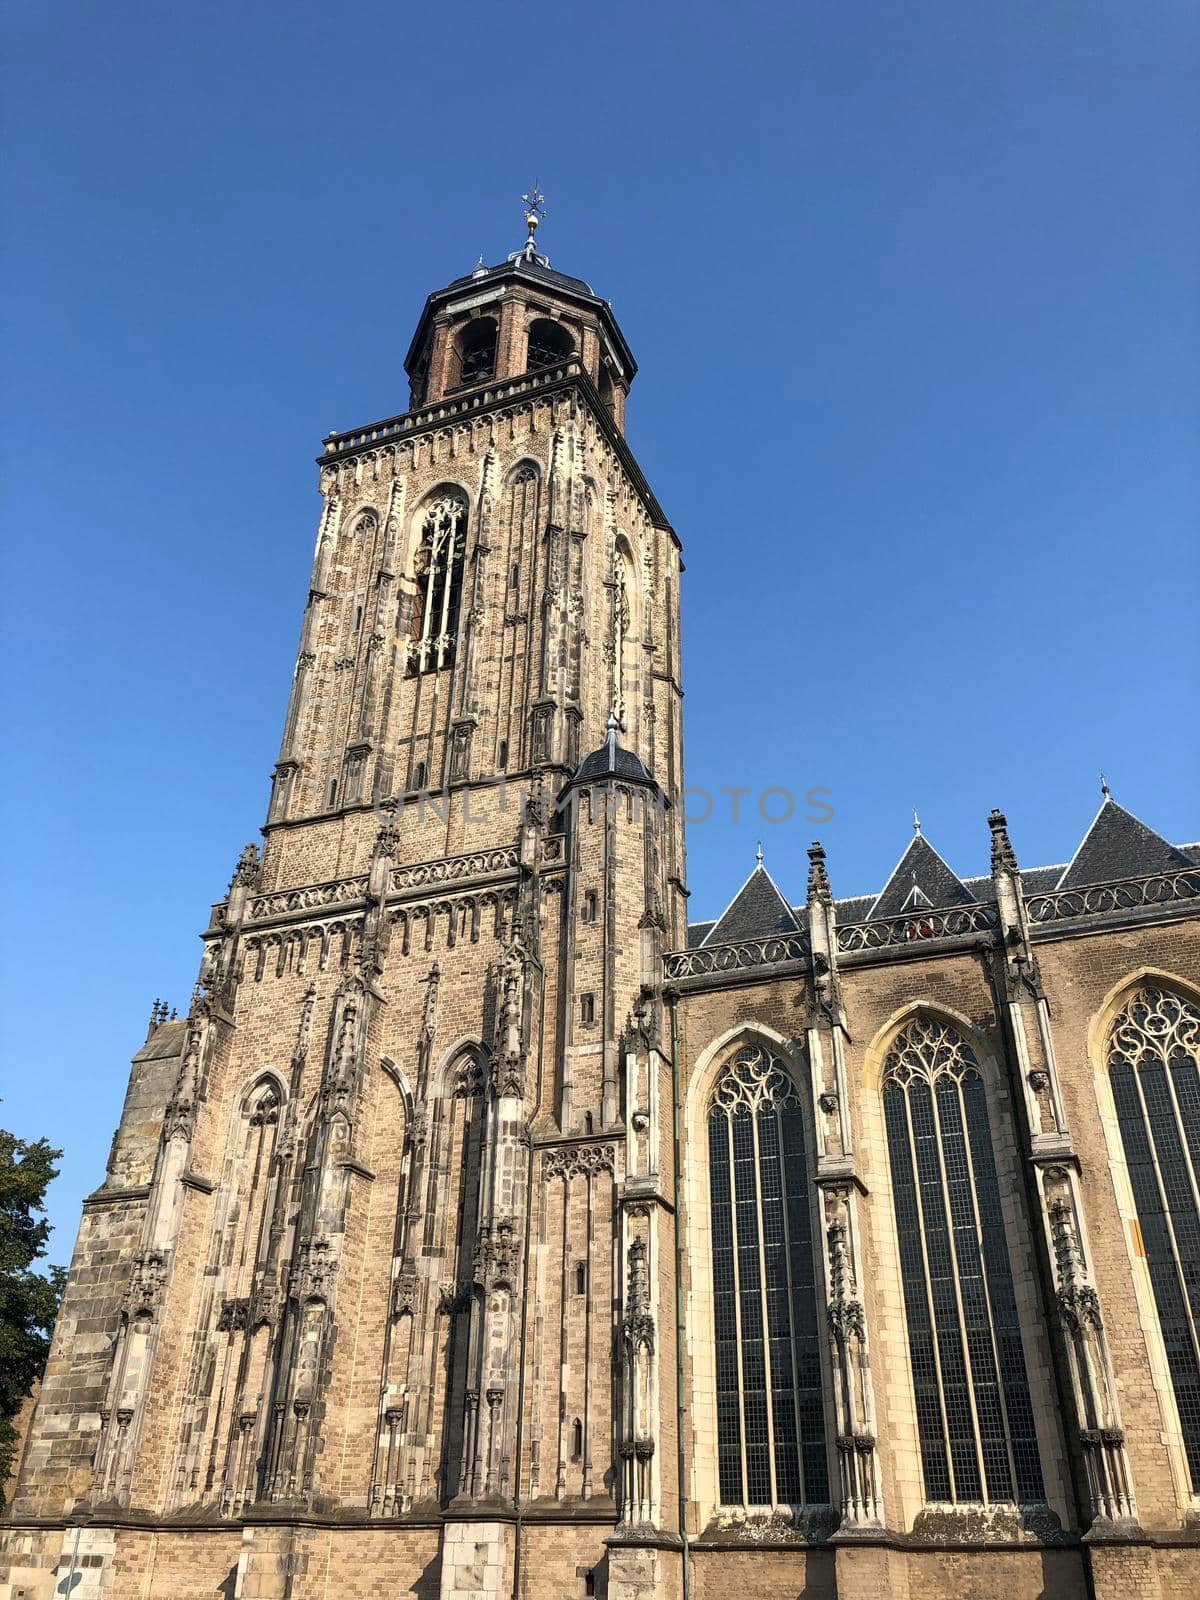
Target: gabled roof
pixel 921 878
pixel 1119 845
pixel 756 911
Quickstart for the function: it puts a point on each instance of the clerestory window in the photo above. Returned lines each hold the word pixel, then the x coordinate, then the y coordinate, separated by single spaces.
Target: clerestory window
pixel 974 1414
pixel 1154 1069
pixel 439 572
pixel 771 1445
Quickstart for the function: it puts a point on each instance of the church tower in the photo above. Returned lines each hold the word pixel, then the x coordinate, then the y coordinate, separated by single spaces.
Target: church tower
pixel 485 1231
pixel 377 1271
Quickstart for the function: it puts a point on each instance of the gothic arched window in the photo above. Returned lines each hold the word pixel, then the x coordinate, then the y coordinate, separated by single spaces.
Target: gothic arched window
pixel 548 342
pixel 771 1448
pixel 1154 1069
pixel 439 573
pixel 974 1414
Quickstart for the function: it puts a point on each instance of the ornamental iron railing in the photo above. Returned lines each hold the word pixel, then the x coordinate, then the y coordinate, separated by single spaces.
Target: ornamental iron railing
pixel 1123 894
pixel 747 953
pixel 949 922
pixel 1151 891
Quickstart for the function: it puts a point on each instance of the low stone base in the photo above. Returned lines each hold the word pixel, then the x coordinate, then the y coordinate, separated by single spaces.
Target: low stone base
pixel 643 1571
pixel 477 1559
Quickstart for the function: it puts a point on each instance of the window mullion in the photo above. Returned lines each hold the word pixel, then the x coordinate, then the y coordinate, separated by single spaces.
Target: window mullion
pixel 919 1198
pixel 430 585
pixel 1181 1129
pixel 787 1255
pixel 768 1373
pixel 987 1296
pixel 737 1310
pixel 1168 1219
pixel 968 1365
pixel 448 545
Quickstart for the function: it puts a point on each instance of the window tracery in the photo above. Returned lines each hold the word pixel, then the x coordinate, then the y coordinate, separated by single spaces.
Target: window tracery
pixel 439 574
pixel 974 1412
pixel 771 1444
pixel 1154 1070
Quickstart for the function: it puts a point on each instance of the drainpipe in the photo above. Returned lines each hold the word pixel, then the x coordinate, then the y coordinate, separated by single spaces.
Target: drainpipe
pixel 672 1000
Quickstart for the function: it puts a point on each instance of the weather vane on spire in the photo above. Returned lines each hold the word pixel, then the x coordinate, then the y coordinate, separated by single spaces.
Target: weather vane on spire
pixel 534 204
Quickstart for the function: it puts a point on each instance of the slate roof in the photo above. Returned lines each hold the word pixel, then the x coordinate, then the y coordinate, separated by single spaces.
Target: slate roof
pixel 166 1040
pixel 1116 845
pixel 921 878
pixel 756 910
pixel 562 280
pixel 612 760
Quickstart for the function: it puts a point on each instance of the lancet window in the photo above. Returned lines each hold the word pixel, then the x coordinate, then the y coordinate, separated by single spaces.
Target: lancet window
pixel 771 1444
pixel 974 1413
pixel 439 574
pixel 1154 1069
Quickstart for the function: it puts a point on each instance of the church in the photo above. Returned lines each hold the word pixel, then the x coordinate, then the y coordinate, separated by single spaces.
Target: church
pixel 487 1228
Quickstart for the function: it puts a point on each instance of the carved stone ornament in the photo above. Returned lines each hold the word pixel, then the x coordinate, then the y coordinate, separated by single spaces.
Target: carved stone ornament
pixel 587 1160
pixel 404 1292
pixel 147 1284
pixel 638 1327
pixel 245 873
pixel 234 1315
pixel 1078 1302
pixel 1003 856
pixel 495 1264
pixel 314 1270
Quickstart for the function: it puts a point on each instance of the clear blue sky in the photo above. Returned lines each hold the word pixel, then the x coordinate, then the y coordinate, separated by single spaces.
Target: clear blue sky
pixel 913 289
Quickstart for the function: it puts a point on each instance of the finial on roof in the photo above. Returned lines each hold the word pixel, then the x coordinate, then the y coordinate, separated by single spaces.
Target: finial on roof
pixel 534 204
pixel 613 725
pixel 1104 789
pixel 758 855
pixel 916 823
pixel 818 878
pixel 1004 858
pixel 479 271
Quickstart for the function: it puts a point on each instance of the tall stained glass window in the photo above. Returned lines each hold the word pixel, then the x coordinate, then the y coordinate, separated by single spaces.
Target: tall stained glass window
pixel 974 1416
pixel 771 1444
pixel 1154 1068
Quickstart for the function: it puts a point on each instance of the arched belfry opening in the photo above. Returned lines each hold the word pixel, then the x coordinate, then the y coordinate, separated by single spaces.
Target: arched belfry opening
pixel 474 353
pixel 549 342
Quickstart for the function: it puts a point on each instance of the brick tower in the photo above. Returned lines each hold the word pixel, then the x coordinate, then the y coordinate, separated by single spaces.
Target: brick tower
pixel 486 1230
pixel 383 1212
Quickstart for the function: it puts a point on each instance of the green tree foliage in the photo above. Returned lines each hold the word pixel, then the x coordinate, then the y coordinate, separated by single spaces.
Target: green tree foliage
pixel 28 1299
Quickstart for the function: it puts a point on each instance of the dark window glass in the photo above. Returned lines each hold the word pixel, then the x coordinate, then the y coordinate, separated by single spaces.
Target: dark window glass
pixel 433 631
pixel 771 1444
pixel 1154 1069
pixel 974 1414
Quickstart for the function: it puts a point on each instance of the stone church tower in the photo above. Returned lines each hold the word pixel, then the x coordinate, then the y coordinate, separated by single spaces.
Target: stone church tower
pixel 485 1230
